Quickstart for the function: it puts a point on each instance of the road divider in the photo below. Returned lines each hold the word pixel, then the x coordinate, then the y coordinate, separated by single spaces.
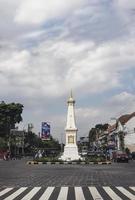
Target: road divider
pixel 68 163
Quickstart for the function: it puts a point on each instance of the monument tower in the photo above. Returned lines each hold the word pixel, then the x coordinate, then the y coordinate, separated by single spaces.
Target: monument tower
pixel 70 149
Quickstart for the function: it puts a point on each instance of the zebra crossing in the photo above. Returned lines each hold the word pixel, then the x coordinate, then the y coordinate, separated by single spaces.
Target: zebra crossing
pixel 68 193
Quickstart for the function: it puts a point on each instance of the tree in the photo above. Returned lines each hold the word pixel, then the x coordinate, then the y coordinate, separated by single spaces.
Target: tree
pixel 3 144
pixel 92 135
pixel 105 126
pixel 127 150
pixel 52 143
pixel 102 127
pixel 10 114
pixel 32 140
pixel 121 138
pixel 99 126
pixel 97 131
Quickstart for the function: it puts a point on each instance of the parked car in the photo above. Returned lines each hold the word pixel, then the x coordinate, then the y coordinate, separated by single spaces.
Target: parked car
pixel 130 156
pixel 120 156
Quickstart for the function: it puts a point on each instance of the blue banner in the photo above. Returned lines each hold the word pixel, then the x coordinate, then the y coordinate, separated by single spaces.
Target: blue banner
pixel 45 131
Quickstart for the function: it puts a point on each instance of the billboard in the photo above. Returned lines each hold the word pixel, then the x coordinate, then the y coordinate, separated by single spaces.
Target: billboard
pixel 45 131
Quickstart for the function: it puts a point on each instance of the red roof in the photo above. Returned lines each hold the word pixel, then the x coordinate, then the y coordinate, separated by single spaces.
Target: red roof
pixel 123 120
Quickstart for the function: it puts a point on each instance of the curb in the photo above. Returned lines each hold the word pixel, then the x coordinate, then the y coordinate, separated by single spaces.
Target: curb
pixel 68 163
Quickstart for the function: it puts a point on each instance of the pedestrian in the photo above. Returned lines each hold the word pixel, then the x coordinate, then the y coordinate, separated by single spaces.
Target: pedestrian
pixel 4 157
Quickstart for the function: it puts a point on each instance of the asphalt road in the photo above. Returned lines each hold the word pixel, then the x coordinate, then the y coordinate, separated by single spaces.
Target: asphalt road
pixel 18 173
pixel 21 181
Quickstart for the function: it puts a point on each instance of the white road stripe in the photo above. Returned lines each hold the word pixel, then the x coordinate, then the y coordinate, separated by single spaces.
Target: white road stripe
pixel 79 193
pixel 132 188
pixel 46 195
pixel 63 193
pixel 15 194
pixel 126 193
pixel 31 193
pixel 95 194
pixel 5 191
pixel 111 193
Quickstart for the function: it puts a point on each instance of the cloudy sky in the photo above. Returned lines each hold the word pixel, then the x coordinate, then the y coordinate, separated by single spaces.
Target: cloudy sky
pixel 49 47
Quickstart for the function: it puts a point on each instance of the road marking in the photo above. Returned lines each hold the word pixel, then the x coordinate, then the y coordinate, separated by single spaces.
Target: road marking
pixel 31 193
pixel 95 194
pixel 63 193
pixel 15 194
pixel 46 195
pixel 111 193
pixel 79 193
pixel 126 193
pixel 132 188
pixel 5 191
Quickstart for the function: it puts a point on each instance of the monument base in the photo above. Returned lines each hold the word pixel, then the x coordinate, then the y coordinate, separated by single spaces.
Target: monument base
pixel 70 153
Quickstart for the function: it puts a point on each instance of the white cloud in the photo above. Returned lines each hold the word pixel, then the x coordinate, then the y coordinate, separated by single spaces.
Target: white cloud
pixel 16 63
pixel 122 98
pixel 126 4
pixel 126 10
pixel 56 65
pixel 120 104
pixel 87 112
pixel 37 12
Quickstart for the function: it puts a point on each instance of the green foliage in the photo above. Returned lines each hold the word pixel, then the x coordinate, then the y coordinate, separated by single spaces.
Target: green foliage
pixel 33 143
pixel 105 126
pixel 121 137
pixel 95 158
pixel 99 126
pixel 32 140
pixel 92 135
pixel 10 114
pixel 127 150
pixel 95 132
pixel 3 144
pixel 52 143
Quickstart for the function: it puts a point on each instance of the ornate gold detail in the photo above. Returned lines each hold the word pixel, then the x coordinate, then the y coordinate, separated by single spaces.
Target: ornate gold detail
pixel 70 139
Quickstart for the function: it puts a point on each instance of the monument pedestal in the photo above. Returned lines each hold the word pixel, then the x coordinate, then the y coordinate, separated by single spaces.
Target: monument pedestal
pixel 70 153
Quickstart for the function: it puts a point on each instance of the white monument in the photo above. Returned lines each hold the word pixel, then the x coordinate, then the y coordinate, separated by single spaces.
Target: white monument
pixel 70 150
